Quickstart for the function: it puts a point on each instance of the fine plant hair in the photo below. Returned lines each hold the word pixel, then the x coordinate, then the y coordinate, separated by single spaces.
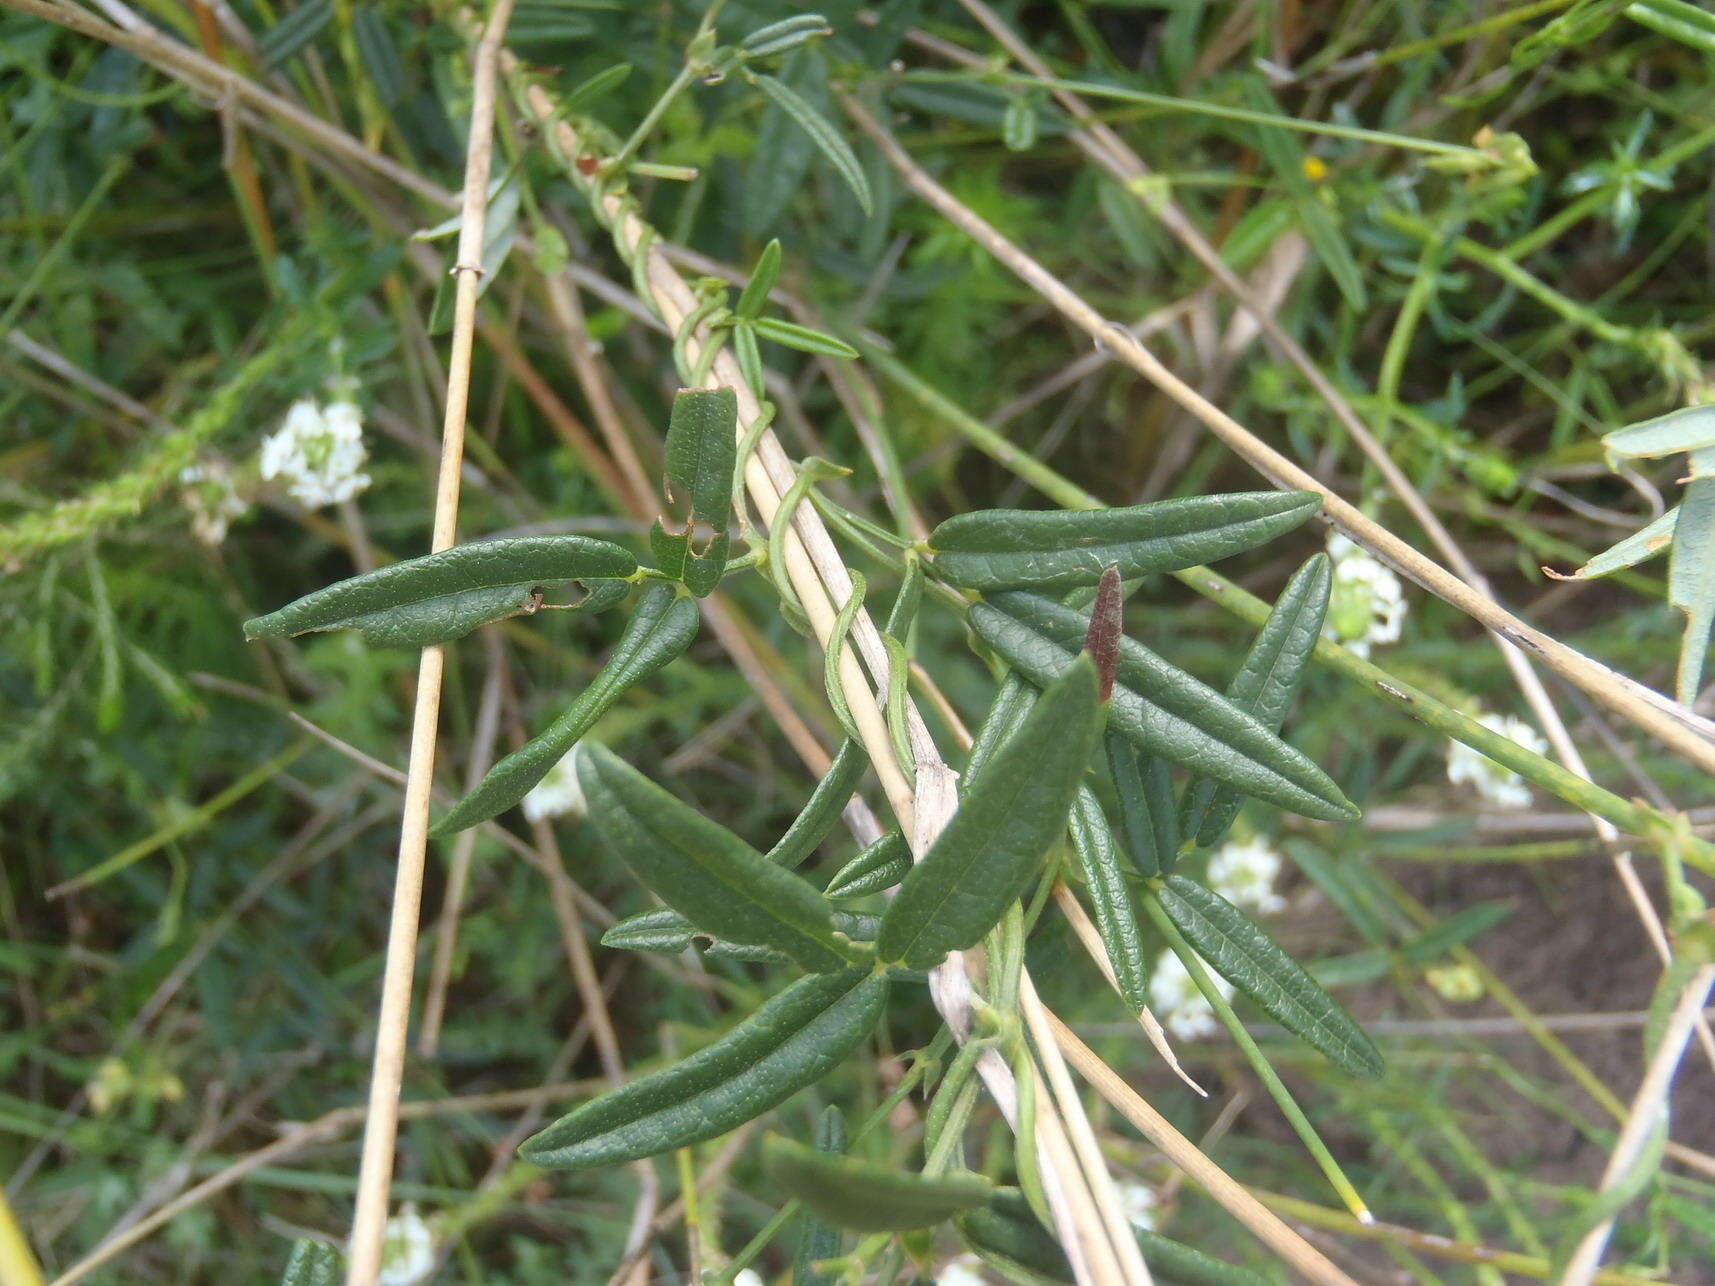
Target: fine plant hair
pixel 910 981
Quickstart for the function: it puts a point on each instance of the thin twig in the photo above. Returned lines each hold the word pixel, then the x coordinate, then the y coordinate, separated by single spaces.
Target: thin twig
pixel 375 1174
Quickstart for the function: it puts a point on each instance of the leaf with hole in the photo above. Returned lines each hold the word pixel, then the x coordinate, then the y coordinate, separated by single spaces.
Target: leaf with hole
pixel 1009 816
pixel 1249 959
pixel 700 869
pixel 702 452
pixel 667 932
pixel 661 627
pixel 439 597
pixel 1265 685
pixel 992 549
pixel 878 866
pixel 793 1040
pixel 824 135
pixel 1162 710
pixel 866 1197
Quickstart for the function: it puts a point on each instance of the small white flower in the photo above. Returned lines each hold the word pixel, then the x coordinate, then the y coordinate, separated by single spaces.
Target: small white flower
pixel 407 1249
pixel 1497 784
pixel 748 1277
pixel 1244 872
pixel 207 491
pixel 320 454
pixel 1174 997
pixel 1367 604
pixel 559 793
pixel 966 1270
pixel 1137 1203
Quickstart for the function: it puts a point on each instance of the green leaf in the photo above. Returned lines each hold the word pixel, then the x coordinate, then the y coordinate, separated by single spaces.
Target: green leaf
pixel 1162 710
pixel 879 866
pixel 865 1197
pixel 660 629
pixel 817 1240
pixel 1691 581
pixel 1008 818
pixel 780 162
pixel 1018 126
pixel 703 871
pixel 1265 686
pixel 378 53
pixel 314 1263
pixel 754 297
pixel 793 1040
pixel 1148 818
pixel 1011 704
pixel 1690 428
pixel 1249 959
pixel 802 338
pixel 702 452
pixel 822 812
pixel 442 592
pixel 290 36
pixel 1641 545
pixel 1007 1235
pixel 825 137
pixel 663 930
pixel 787 34
pixel 1110 896
pixel 1174 1261
pixel 600 85
pixel 1060 549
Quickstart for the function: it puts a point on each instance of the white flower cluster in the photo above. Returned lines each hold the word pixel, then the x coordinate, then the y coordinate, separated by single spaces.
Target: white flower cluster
pixel 1367 605
pixel 319 453
pixel 212 499
pixel 559 793
pixel 1138 1202
pixel 966 1270
pixel 408 1249
pixel 1244 872
pixel 1499 785
pixel 1174 997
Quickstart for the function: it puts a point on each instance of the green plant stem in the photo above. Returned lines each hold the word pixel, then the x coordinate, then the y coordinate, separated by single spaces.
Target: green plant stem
pixel 1258 1060
pixel 1632 817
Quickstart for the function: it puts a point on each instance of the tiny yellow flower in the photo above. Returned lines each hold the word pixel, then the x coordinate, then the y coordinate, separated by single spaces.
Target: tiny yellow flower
pixel 1315 169
pixel 1457 982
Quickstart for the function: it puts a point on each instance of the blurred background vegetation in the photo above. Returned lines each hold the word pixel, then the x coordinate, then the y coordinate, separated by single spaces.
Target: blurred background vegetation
pixel 178 270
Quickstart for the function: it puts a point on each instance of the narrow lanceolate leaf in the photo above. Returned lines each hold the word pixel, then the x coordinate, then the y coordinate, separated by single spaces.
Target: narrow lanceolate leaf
pixel 703 871
pixel 824 135
pixel 1643 544
pixel 408 598
pixel 1148 816
pixel 660 629
pixel 379 54
pixel 1265 686
pixel 787 34
pixel 1691 428
pixel 818 1240
pixel 1691 579
pixel 865 1197
pixel 792 1041
pixel 1115 914
pixel 1059 549
pixel 1161 709
pixel 822 811
pixel 314 1263
pixel 702 452
pixel 1008 818
pixel 1011 704
pixel 802 338
pixel 1184 1265
pixel 879 866
pixel 290 36
pixel 1249 959
pixel 1007 1234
